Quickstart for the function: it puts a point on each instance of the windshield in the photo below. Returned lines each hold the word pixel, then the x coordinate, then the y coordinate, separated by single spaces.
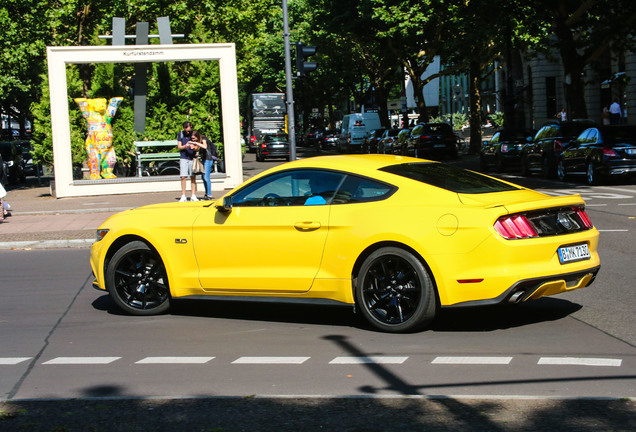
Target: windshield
pixel 449 177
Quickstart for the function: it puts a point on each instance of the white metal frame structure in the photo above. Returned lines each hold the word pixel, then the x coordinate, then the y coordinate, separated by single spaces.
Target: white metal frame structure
pixel 59 57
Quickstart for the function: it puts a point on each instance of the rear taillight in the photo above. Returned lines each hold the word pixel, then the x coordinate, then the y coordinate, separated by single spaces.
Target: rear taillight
pixel 609 152
pixel 504 148
pixel 558 146
pixel 584 217
pixel 515 227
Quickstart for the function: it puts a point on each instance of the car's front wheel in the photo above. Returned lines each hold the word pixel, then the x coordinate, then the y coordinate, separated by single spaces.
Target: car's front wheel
pixel 137 281
pixel 395 292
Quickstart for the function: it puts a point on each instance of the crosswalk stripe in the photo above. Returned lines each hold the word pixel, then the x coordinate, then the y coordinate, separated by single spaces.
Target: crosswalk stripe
pixel 270 360
pixel 473 360
pixel 12 360
pixel 81 360
pixel 369 360
pixel 579 361
pixel 174 360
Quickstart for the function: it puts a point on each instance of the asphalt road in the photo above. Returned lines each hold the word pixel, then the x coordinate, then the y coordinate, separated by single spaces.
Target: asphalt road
pixel 282 367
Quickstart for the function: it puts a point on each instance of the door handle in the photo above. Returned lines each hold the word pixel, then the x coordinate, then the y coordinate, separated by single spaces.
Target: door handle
pixel 307 226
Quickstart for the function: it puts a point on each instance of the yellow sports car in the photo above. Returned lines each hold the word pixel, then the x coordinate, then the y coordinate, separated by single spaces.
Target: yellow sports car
pixel 394 236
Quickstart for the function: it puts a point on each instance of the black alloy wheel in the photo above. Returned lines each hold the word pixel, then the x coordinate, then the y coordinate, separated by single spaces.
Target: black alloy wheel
pixel 137 281
pixel 561 175
pixel 395 292
pixel 590 175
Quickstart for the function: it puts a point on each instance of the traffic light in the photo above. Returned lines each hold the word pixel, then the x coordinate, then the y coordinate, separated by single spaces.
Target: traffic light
pixel 302 53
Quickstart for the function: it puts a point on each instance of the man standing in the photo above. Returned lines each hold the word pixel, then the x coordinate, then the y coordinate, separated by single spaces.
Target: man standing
pixel 188 151
pixel 615 113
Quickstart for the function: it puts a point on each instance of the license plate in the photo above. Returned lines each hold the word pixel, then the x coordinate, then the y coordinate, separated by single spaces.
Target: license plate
pixel 439 146
pixel 278 145
pixel 569 254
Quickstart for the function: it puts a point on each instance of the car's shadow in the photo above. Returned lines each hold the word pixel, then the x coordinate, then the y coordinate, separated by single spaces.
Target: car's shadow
pixel 474 319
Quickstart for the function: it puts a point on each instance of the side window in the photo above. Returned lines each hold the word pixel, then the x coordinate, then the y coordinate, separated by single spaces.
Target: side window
pixel 582 139
pixel 290 188
pixel 359 189
pixel 417 130
pixel 592 137
pixel 495 138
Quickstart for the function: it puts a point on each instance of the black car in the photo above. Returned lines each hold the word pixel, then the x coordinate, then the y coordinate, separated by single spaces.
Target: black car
pixel 432 141
pixel 329 140
pixel 540 155
pixel 272 146
pixel 385 145
pixel 600 152
pixel 503 150
pixel 370 144
pixel 398 146
pixel 12 163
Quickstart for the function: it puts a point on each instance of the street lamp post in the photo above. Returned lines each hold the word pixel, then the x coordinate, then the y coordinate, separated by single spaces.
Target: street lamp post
pixel 291 125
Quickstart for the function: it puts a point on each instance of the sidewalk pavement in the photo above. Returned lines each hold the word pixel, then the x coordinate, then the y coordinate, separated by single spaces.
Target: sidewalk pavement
pixel 40 221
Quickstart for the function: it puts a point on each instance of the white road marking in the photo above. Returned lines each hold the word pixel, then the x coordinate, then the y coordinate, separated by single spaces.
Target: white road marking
pixel 613 230
pixel 13 360
pixel 473 360
pixel 270 360
pixel 174 360
pixel 578 361
pixel 81 360
pixel 627 204
pixel 596 205
pixel 369 360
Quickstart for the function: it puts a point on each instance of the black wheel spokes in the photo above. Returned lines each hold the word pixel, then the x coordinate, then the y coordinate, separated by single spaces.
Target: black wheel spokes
pixel 140 281
pixel 392 291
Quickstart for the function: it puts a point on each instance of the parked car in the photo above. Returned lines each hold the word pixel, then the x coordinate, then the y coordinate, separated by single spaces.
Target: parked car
pixel 329 140
pixel 30 168
pixel 272 146
pixel 399 143
pixel 599 153
pixel 432 141
pixel 12 161
pixel 540 155
pixel 503 150
pixel 385 145
pixel 392 236
pixel 370 144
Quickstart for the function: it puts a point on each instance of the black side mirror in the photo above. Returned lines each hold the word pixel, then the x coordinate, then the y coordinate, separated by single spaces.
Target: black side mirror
pixel 224 204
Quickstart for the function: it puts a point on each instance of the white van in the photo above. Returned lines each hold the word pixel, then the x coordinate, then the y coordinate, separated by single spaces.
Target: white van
pixel 355 128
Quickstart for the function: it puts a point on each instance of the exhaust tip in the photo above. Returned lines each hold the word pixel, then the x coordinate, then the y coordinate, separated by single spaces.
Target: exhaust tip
pixel 516 297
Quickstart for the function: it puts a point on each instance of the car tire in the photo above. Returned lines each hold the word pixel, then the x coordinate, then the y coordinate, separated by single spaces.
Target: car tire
pixel 137 281
pixel 561 175
pixel 591 176
pixel 500 165
pixel 548 168
pixel 483 166
pixel 525 167
pixel 395 292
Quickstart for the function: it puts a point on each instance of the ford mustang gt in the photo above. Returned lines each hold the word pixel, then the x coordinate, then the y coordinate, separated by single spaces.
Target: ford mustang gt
pixel 396 237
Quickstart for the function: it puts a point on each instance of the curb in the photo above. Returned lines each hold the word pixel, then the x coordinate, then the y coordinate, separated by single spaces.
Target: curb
pixel 47 244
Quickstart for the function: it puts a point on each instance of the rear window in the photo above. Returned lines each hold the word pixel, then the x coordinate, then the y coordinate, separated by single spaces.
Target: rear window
pixel 449 177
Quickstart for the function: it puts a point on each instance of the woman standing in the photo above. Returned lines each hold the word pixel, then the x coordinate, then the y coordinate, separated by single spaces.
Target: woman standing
pixel 188 147
pixel 209 156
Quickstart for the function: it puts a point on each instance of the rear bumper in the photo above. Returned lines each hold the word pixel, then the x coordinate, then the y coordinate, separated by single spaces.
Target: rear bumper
pixel 535 288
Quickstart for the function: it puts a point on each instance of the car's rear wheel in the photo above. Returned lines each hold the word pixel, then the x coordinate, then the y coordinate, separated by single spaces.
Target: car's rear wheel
pixel 591 176
pixel 137 281
pixel 395 292
pixel 561 175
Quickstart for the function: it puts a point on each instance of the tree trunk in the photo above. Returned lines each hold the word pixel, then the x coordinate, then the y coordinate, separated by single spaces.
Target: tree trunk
pixel 475 107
